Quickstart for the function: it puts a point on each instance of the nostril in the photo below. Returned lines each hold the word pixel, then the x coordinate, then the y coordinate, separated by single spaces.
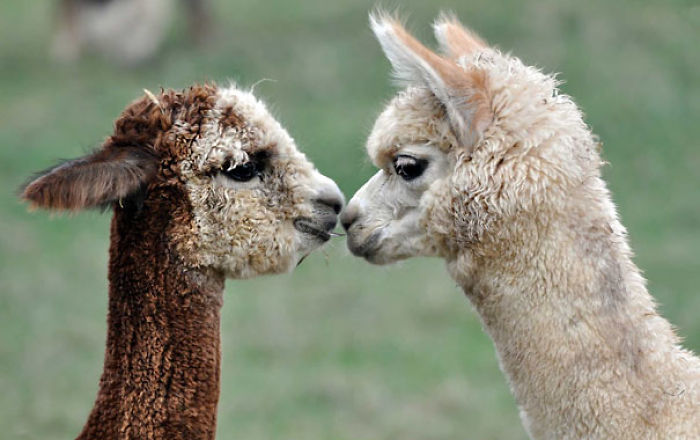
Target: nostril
pixel 329 194
pixel 332 202
pixel 347 223
pixel 337 206
pixel 348 218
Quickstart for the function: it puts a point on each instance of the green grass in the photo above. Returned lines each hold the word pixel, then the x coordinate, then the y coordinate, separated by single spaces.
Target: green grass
pixel 338 349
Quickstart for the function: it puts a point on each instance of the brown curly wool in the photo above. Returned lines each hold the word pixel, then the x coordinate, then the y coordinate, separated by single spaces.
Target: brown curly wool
pixel 161 368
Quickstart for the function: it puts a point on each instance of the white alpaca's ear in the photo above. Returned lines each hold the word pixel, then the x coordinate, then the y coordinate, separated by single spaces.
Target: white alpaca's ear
pixel 416 65
pixel 454 39
pixel 409 67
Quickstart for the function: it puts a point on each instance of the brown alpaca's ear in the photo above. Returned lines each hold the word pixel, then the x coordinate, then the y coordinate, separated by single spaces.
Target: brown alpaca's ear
pixel 461 91
pixel 96 180
pixel 455 40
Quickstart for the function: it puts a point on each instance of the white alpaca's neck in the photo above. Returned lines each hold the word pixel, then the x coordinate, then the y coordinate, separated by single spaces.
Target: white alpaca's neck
pixel 577 334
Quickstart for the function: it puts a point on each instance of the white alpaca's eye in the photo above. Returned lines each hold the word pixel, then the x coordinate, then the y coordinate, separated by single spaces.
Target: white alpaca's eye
pixel 409 167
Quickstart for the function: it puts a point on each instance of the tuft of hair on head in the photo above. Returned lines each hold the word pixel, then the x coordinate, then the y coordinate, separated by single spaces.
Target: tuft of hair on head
pixel 93 181
pixel 455 40
pixel 154 99
pixel 251 89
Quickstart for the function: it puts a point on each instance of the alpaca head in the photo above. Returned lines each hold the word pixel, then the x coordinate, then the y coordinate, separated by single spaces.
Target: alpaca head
pixel 238 196
pixel 474 139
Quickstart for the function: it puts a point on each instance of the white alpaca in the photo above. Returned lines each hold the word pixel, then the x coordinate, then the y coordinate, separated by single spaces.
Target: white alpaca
pixel 483 163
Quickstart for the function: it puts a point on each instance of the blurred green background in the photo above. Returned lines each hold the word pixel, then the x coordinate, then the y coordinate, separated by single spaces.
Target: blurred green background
pixel 339 349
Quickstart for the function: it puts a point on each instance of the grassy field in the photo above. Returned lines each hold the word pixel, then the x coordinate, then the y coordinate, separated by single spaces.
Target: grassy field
pixel 339 349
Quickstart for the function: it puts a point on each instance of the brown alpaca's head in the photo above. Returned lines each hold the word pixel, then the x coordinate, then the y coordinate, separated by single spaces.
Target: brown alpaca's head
pixel 239 196
pixel 474 141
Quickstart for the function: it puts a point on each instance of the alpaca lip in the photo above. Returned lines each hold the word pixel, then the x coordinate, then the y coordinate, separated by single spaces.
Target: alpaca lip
pixel 307 226
pixel 365 249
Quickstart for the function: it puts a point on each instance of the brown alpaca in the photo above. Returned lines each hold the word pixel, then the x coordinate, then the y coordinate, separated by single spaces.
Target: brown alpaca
pixel 485 164
pixel 204 185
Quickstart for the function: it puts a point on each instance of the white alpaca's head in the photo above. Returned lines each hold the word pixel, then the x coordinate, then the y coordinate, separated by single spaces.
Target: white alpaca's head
pixel 237 195
pixel 474 139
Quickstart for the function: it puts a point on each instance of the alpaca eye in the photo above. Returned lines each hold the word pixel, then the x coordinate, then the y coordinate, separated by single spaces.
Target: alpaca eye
pixel 408 167
pixel 242 172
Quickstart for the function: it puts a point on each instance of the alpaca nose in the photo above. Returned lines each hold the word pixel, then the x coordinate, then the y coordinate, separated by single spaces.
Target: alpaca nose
pixel 331 197
pixel 349 216
pixel 334 203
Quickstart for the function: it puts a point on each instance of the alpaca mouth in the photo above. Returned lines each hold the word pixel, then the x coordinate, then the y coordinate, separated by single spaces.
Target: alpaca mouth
pixel 367 248
pixel 308 226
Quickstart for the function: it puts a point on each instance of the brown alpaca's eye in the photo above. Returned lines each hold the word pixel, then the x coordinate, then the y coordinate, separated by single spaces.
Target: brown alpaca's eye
pixel 242 172
pixel 408 167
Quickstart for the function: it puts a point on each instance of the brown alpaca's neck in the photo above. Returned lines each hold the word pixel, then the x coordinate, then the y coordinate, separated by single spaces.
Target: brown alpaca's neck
pixel 577 333
pixel 161 367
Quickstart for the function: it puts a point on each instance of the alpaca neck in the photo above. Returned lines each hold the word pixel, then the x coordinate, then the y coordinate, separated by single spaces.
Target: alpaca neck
pixel 577 334
pixel 161 367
